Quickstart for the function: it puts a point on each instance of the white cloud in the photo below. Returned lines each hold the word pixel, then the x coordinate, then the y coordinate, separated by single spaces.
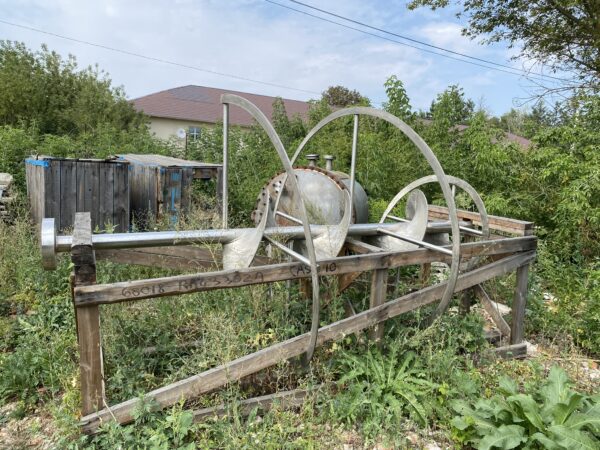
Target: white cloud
pixel 250 38
pixel 447 35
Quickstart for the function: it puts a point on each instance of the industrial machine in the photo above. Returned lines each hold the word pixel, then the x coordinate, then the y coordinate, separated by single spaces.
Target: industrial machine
pixel 318 217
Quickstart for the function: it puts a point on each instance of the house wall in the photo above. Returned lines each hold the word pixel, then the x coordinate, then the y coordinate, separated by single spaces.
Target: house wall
pixel 167 128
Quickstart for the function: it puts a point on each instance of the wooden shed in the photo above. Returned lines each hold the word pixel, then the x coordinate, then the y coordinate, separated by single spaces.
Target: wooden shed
pixel 60 187
pixel 160 186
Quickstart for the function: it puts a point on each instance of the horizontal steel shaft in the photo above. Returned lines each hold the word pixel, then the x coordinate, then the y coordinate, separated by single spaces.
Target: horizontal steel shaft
pixel 218 236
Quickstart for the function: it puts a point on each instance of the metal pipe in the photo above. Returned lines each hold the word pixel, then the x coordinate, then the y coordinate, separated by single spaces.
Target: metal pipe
pixel 225 163
pixel 460 227
pixel 217 236
pixel 416 242
pixel 288 217
pixel 329 162
pixel 288 251
pixel 353 162
pixel 312 159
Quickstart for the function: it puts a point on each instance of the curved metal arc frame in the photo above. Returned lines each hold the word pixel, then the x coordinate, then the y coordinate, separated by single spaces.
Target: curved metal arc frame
pixel 239 253
pixel 330 242
pixel 276 141
pixel 433 163
pixel 453 181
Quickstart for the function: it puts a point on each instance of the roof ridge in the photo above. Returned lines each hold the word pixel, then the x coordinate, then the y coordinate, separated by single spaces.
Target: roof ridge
pixel 233 91
pixel 158 92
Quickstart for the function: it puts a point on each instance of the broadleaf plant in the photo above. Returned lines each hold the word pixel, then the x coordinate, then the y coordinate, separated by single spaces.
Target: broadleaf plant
pixel 378 390
pixel 552 416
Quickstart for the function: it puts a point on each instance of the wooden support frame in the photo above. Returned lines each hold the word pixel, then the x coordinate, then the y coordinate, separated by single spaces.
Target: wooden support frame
pixel 185 284
pixel 507 254
pixel 87 318
pixel 249 364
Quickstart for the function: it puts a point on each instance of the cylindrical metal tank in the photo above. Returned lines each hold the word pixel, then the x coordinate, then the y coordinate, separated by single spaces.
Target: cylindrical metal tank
pixel 323 192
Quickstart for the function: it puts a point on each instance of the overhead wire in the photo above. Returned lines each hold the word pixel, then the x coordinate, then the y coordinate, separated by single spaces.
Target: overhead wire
pixel 155 59
pixel 494 65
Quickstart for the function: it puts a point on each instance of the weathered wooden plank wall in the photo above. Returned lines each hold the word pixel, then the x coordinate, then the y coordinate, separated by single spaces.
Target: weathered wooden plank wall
pixel 61 187
pixel 160 187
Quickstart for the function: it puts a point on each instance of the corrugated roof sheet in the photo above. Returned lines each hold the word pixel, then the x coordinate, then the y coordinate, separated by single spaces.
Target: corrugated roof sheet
pixel 203 104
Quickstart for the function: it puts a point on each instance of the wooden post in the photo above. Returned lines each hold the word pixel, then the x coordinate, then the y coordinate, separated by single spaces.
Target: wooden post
pixel 519 303
pixel 466 300
pixel 467 297
pixel 425 274
pixel 378 293
pixel 87 318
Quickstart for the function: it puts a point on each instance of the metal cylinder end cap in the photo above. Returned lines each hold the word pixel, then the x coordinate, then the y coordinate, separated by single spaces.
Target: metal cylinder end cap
pixel 48 243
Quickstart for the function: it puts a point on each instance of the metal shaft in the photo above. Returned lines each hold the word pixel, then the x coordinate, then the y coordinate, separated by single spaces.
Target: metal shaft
pixel 416 242
pixel 218 236
pixel 467 230
pixel 288 251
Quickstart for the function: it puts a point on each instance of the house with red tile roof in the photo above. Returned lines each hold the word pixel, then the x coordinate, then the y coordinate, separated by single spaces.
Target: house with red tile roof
pixel 191 108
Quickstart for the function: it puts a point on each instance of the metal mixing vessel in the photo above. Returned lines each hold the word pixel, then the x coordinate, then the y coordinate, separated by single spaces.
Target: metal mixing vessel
pixel 323 191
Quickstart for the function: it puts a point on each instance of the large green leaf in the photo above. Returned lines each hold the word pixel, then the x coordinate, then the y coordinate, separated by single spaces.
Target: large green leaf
pixel 545 441
pixel 461 422
pixel 504 437
pixel 415 405
pixel 584 420
pixel 573 439
pixel 562 411
pixel 529 408
pixel 507 386
pixel 557 388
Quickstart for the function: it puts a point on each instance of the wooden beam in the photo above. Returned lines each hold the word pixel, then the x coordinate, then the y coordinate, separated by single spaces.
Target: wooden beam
pixel 176 257
pixel 511 351
pixel 144 258
pixel 87 318
pixel 249 364
pixel 378 294
pixel 490 308
pixel 361 247
pixel 184 284
pixel 285 399
pixel 518 307
pixel 504 224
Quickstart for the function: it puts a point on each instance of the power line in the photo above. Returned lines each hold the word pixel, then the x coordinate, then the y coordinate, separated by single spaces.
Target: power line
pixel 160 60
pixel 416 41
pixel 511 70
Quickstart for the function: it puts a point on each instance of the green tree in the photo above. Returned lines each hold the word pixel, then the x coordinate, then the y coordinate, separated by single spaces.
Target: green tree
pixel 43 90
pixel 398 102
pixel 527 123
pixel 561 34
pixel 451 107
pixel 448 111
pixel 289 130
pixel 341 96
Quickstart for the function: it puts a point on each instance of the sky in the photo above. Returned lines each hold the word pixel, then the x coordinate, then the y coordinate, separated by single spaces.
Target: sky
pixel 261 41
